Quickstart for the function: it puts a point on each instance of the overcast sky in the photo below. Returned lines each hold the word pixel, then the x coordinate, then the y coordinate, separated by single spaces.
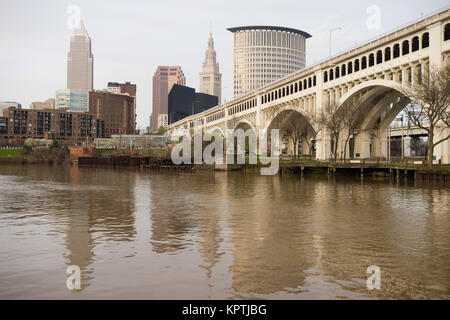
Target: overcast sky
pixel 131 38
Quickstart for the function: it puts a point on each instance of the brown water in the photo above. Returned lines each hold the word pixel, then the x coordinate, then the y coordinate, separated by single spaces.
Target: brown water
pixel 218 236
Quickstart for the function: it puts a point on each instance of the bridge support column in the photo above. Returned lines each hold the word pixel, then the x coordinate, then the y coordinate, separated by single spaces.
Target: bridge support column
pixel 323 145
pixel 290 147
pixel 384 145
pixel 407 146
pixel 305 147
pixel 364 145
pixel 442 150
pixel 380 143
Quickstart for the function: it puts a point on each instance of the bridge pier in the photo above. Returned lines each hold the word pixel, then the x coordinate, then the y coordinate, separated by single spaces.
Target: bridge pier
pixel 323 145
pixel 442 151
pixel 363 145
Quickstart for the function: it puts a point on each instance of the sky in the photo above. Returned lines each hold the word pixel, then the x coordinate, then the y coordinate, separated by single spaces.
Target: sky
pixel 131 38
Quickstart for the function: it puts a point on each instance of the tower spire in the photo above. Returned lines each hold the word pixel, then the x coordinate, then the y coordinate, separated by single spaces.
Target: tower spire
pixel 210 77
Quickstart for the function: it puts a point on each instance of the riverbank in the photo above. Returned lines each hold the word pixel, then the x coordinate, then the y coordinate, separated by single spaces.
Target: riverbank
pixel 57 156
pixel 157 160
pixel 307 167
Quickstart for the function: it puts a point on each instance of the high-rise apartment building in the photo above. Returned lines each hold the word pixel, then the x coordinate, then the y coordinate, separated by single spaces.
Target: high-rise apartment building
pixel 72 128
pixel 163 80
pixel 263 54
pixel 80 61
pixel 210 77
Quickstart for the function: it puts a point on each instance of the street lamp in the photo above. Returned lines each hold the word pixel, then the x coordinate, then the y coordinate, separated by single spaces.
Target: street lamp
pixel 331 32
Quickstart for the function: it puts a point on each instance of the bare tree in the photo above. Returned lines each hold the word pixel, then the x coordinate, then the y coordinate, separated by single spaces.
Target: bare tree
pixel 294 127
pixel 307 135
pixel 352 118
pixel 431 105
pixel 333 119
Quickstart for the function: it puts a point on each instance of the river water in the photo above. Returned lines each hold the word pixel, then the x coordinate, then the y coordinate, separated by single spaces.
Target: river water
pixel 153 235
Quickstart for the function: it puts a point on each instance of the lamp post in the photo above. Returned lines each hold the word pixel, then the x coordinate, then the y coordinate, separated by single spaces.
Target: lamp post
pixel 331 33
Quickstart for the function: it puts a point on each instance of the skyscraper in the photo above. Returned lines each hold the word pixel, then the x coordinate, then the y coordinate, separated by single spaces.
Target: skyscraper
pixel 80 61
pixel 263 54
pixel 210 77
pixel 163 80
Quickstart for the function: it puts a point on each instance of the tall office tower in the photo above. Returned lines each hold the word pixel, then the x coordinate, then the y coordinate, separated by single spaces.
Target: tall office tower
pixel 80 61
pixel 163 80
pixel 210 77
pixel 263 54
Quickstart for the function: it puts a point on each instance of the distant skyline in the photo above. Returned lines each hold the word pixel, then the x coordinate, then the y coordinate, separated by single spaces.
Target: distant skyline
pixel 130 39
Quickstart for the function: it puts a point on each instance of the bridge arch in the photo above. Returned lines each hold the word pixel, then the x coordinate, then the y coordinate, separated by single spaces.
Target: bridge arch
pixel 278 111
pixel 389 84
pixel 244 122
pixel 213 130
pixel 295 129
pixel 380 101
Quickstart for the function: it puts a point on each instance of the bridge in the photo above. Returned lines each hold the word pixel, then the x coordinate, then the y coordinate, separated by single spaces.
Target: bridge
pixel 370 76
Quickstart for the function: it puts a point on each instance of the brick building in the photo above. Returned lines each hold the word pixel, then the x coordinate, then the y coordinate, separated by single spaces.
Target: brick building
pixel 72 128
pixel 118 111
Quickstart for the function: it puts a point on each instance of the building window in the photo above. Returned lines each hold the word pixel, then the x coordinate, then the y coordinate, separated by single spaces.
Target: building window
pixel 415 44
pixel 371 60
pixel 325 76
pixel 405 47
pixel 350 67
pixel 331 74
pixel 425 40
pixel 363 63
pixel 379 56
pixel 387 54
pixel 337 73
pixel 396 50
pixel 447 32
pixel 343 69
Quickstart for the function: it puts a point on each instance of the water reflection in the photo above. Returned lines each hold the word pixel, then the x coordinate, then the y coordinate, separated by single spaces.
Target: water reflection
pixel 219 235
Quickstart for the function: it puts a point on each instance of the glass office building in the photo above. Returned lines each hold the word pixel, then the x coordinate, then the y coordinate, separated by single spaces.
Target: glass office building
pixel 72 100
